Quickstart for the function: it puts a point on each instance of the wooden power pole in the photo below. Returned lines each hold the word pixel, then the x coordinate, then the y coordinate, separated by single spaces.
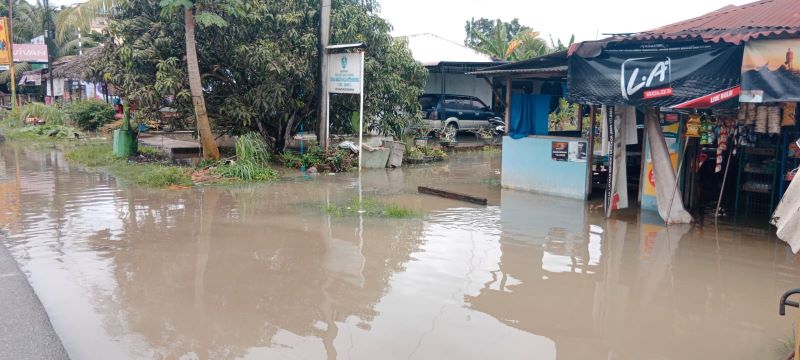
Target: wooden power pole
pixel 324 40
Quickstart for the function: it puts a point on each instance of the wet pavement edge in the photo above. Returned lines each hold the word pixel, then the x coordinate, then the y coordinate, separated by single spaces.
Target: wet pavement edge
pixel 25 329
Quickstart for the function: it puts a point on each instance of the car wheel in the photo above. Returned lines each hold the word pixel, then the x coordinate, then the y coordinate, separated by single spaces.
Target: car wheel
pixel 452 126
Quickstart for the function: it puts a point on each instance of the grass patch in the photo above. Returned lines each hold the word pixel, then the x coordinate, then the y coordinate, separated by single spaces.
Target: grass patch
pixel 151 175
pixel 372 208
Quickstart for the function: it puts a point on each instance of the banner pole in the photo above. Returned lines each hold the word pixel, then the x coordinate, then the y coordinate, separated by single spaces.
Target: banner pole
pixel 360 129
pixel 10 36
pixel 361 115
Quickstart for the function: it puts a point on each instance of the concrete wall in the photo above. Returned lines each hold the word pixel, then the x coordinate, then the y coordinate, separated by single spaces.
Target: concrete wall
pixel 458 84
pixel 528 166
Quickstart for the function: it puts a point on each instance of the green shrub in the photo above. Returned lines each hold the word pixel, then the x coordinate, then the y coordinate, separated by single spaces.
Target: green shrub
pixel 90 115
pixel 251 147
pixel 338 160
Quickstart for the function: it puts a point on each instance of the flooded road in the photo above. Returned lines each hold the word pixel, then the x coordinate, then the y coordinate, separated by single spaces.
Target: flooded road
pixel 261 272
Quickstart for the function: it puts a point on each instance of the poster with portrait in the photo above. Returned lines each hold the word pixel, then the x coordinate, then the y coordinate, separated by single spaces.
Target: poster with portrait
pixel 771 71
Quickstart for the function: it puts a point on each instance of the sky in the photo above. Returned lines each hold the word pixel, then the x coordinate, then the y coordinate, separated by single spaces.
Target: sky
pixel 587 19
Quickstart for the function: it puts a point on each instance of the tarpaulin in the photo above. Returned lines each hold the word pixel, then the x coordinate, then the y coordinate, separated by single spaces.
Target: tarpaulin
pixel 528 115
pixel 653 74
pixel 770 71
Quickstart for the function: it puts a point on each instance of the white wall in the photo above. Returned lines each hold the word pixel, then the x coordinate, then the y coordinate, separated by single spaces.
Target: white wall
pixel 459 84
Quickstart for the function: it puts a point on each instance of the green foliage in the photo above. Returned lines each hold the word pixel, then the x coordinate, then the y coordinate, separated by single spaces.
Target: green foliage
pixel 371 208
pixel 252 161
pixel 332 160
pixel 565 117
pixel 50 114
pixel 43 133
pixel 251 147
pixel 90 115
pixel 508 41
pixel 150 175
pixel 260 72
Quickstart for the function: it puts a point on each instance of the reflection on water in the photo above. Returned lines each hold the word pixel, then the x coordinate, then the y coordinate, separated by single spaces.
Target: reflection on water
pixel 257 272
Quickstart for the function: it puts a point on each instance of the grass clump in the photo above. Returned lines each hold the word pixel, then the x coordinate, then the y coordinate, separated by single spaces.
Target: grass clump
pixel 252 161
pixel 147 174
pixel 372 208
pixel 43 132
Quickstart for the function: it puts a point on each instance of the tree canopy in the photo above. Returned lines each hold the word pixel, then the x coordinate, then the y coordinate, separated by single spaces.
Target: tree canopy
pixel 509 41
pixel 260 71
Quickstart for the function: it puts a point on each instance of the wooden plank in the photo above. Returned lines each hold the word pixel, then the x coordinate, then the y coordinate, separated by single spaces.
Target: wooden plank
pixel 452 195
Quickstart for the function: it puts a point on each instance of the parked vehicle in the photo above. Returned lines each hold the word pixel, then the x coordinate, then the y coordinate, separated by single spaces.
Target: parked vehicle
pixel 459 112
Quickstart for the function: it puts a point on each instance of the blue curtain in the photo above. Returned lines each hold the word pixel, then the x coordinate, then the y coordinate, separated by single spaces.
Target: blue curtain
pixel 528 115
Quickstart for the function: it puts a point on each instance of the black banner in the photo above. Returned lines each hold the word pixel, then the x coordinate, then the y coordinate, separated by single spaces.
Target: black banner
pixel 653 74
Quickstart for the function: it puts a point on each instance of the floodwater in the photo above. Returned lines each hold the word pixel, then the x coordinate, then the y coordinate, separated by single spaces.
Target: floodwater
pixel 261 272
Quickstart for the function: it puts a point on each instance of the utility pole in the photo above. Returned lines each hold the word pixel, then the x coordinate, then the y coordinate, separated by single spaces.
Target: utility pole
pixel 48 39
pixel 324 40
pixel 11 57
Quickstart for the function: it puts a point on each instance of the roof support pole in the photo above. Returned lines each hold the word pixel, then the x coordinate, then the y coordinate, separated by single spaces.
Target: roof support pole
pixel 508 105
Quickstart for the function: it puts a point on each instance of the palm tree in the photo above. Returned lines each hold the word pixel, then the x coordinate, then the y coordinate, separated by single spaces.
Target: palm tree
pixel 500 45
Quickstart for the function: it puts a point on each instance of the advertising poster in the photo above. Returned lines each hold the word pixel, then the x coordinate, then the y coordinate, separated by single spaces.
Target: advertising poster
pixel 770 71
pixel 560 151
pixel 5 46
pixel 578 151
pixel 670 126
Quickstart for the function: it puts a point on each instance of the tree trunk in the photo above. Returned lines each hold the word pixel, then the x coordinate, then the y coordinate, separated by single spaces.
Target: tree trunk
pixel 210 150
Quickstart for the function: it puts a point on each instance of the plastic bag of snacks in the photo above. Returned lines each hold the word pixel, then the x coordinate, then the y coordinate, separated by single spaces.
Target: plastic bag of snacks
pixel 761 119
pixel 751 114
pixel 774 119
pixel 741 117
pixel 789 115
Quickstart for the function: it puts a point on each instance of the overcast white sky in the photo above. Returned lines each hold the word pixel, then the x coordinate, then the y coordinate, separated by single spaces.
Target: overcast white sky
pixel 587 19
pixel 561 18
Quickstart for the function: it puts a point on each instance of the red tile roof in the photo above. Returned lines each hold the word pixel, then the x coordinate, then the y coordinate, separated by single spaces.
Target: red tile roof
pixel 734 24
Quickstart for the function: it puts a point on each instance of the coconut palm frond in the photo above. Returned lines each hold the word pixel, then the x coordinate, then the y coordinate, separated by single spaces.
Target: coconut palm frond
pixel 18 70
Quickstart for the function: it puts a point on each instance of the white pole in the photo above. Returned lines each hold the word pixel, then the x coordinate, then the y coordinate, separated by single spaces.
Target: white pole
pixel 361 116
pixel 324 137
pixel 360 133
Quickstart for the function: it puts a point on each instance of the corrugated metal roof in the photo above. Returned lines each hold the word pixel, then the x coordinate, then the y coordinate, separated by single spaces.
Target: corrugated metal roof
pixel 555 62
pixel 734 24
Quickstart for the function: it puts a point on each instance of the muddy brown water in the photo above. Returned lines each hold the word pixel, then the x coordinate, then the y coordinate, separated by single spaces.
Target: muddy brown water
pixel 260 272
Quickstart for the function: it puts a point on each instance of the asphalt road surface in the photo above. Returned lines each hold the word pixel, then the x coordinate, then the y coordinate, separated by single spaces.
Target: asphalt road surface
pixel 25 329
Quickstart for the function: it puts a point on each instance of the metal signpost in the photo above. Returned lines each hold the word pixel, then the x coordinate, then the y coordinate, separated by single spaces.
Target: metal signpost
pixel 346 76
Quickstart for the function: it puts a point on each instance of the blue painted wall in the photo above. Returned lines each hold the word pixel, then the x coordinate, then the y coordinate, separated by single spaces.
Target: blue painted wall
pixel 528 166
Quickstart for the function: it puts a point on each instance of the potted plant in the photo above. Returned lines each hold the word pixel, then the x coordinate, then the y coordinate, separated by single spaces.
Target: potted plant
pixel 447 136
pixel 486 134
pixel 420 137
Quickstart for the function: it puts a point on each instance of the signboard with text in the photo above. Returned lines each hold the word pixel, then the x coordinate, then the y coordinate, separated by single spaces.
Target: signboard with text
pixel 653 73
pixel 344 73
pixel 31 53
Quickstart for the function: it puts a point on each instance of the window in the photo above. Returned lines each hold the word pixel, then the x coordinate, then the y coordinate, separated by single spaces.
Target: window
pixel 478 105
pixel 453 104
pixel 427 102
